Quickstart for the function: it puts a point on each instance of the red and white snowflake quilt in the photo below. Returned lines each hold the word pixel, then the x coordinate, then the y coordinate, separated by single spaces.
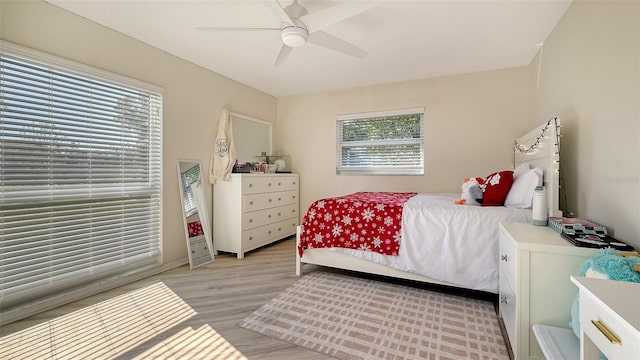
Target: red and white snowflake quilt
pixel 368 221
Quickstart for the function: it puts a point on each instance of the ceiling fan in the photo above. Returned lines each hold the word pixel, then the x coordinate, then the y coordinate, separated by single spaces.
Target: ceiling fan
pixel 299 27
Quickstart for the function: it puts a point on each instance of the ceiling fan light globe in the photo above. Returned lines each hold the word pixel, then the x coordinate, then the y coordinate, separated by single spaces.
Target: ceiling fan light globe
pixel 294 36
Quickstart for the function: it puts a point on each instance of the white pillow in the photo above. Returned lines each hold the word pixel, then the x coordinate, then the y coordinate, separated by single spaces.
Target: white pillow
pixel 521 169
pixel 521 193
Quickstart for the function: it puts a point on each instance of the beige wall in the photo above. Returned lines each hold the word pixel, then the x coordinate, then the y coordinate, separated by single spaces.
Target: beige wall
pixel 470 123
pixel 589 75
pixel 193 96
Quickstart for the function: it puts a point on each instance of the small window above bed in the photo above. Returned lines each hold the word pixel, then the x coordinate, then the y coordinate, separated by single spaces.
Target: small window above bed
pixel 381 143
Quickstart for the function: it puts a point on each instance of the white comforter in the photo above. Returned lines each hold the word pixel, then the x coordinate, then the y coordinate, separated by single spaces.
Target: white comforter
pixel 453 243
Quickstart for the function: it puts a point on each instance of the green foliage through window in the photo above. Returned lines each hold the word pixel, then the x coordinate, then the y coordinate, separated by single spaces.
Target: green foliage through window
pixel 381 143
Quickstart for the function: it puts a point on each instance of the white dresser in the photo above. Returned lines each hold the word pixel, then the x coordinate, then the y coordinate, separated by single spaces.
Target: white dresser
pixel 535 266
pixel 252 210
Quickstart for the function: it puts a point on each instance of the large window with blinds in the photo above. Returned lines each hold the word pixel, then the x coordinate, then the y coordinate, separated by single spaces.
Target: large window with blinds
pixel 381 143
pixel 80 175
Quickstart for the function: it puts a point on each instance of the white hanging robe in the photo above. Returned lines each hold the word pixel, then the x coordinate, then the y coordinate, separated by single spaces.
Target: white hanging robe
pixel 224 153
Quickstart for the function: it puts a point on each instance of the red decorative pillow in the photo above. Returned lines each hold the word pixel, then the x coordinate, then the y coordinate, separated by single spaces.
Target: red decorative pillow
pixel 195 228
pixel 496 187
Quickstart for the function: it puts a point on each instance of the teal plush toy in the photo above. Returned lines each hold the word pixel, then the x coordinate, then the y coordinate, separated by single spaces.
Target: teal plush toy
pixel 607 264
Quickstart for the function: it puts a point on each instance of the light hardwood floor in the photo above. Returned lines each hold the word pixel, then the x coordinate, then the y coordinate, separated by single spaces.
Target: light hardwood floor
pixel 211 301
pixel 179 314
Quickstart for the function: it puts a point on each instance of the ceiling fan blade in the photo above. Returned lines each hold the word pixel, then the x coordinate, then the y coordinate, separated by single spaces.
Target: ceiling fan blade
pixel 323 39
pixel 321 19
pixel 216 28
pixel 283 54
pixel 278 10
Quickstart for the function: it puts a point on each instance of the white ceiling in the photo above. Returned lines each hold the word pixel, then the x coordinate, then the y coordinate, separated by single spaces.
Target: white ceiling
pixel 404 39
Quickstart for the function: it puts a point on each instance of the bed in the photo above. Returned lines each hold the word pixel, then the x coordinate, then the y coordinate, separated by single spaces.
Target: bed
pixel 441 242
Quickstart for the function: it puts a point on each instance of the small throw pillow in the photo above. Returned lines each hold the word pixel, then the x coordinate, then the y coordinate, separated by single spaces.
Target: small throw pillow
pixel 496 188
pixel 524 185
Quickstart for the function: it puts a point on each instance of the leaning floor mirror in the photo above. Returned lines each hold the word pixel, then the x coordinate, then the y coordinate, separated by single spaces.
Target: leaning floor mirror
pixel 194 212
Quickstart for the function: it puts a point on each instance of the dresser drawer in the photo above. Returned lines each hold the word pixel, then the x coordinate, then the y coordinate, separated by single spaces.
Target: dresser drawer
pixel 592 309
pixel 254 202
pixel 508 309
pixel 508 260
pixel 259 218
pixel 259 236
pixel 262 184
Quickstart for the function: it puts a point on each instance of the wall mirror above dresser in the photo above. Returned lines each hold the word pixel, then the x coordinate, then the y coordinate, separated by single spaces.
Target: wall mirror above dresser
pixel 251 136
pixel 194 213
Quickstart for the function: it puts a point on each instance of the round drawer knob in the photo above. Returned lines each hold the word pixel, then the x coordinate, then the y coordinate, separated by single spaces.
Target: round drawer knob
pixel 250 220
pixel 269 200
pixel 503 258
pixel 250 202
pixel 250 237
pixel 269 232
pixel 279 214
pixel 250 185
pixel 279 184
pixel 269 184
pixel 269 216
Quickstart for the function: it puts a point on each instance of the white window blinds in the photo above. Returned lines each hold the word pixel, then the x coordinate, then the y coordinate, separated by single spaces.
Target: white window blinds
pixel 189 178
pixel 80 172
pixel 381 143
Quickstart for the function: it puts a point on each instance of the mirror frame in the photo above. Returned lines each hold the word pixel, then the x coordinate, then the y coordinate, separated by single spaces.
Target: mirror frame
pixel 238 137
pixel 196 252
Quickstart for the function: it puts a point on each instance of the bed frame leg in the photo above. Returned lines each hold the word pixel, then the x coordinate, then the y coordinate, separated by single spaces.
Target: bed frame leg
pixel 298 262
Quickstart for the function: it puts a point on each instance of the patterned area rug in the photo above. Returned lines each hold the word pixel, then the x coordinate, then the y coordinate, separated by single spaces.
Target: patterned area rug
pixel 348 317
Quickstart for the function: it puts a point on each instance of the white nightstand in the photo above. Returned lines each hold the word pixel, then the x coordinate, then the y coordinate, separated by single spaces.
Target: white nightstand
pixel 535 265
pixel 609 318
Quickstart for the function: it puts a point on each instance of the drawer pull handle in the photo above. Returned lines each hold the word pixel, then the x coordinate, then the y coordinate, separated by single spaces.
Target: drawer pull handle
pixel 503 257
pixel 250 202
pixel 250 237
pixel 279 184
pixel 250 185
pixel 269 216
pixel 606 332
pixel 250 220
pixel 269 200
pixel 269 232
pixel 504 300
pixel 269 184
pixel 279 214
pixel 279 199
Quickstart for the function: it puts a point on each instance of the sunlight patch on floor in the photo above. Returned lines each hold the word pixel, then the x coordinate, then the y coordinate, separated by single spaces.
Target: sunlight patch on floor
pixel 119 325
pixel 202 343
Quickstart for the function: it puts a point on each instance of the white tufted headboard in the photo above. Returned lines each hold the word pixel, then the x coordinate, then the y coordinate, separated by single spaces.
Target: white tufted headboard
pixel 540 147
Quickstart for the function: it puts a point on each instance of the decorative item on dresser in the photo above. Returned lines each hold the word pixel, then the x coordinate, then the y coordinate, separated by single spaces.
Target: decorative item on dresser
pixel 253 210
pixel 535 266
